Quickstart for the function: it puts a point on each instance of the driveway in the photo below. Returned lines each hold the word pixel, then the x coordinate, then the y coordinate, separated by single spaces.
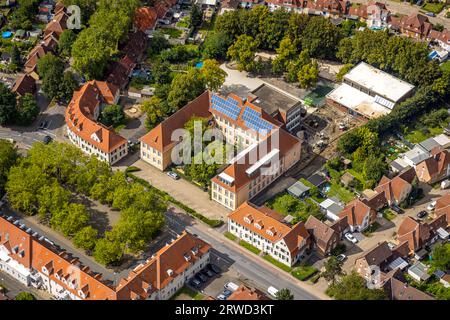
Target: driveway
pixel 238 82
pixel 181 190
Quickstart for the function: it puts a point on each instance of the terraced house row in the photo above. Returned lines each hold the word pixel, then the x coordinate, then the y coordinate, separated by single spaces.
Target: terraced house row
pixel 267 149
pixel 37 262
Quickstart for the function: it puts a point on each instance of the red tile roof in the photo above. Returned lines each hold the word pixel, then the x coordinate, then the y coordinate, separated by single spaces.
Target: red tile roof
pixel 145 18
pixel 24 84
pixel 245 293
pixel 80 115
pixel 356 210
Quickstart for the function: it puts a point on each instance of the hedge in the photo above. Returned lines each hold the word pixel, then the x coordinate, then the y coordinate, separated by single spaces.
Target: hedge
pixel 164 195
pixel 304 272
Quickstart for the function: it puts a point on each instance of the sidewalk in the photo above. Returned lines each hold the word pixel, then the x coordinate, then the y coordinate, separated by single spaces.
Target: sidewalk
pixel 181 190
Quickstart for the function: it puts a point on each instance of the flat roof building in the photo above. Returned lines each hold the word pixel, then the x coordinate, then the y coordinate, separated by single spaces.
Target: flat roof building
pixel 369 92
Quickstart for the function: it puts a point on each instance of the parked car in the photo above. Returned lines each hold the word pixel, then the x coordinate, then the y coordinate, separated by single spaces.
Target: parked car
pixel 173 175
pixel 214 268
pixel 227 293
pixel 195 283
pixel 422 214
pixel 430 14
pixel 202 277
pixel 272 291
pixel 231 286
pixel 350 237
pixel 47 139
pixel 221 297
pixel 431 206
pixel 203 272
pixel 197 277
pixel 397 209
pixel 43 125
pixel 341 257
pixel 209 273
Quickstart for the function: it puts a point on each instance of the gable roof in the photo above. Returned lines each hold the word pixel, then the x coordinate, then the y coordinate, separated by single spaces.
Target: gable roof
pixel 398 290
pixel 321 232
pixel 245 293
pixel 378 254
pixel 270 220
pixel 355 211
pixel 436 165
pixel 24 84
pixel 145 18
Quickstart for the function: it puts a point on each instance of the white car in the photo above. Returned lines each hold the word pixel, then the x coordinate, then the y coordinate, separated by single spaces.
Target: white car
pixel 341 257
pixel 350 237
pixel 431 206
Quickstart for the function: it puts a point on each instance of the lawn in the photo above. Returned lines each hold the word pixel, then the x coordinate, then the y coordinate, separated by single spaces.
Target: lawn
pixel 434 7
pixel 417 135
pixel 230 236
pixel 184 23
pixel 277 263
pixel 336 190
pixel 249 247
pixel 172 32
pixel 304 272
pixel 389 215
pixel 287 204
pixel 446 65
pixel 368 232
pixel 188 291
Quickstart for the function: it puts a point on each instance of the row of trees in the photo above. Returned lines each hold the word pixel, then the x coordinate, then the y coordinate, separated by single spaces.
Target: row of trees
pixel 23 15
pixel 108 26
pixel 15 110
pixel 47 183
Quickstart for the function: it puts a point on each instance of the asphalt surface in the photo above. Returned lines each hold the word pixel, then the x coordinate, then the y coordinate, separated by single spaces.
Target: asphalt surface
pixel 14 287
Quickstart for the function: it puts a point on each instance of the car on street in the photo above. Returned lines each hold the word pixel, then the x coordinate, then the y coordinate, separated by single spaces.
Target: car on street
pixel 350 237
pixel 47 139
pixel 341 257
pixel 430 14
pixel 272 291
pixel 214 268
pixel 209 273
pixel 202 277
pixel 422 214
pixel 227 293
pixel 173 175
pixel 231 286
pixel 431 206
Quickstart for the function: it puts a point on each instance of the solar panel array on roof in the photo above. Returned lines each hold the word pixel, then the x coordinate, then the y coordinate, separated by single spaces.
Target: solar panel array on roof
pixel 228 107
pixel 253 120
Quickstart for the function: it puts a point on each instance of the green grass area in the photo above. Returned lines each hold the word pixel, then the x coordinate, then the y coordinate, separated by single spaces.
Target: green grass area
pixel 315 278
pixel 188 291
pixel 371 229
pixel 166 197
pixel 417 135
pixel 304 272
pixel 173 33
pixel 249 247
pixel 317 96
pixel 184 23
pixel 389 215
pixel 277 263
pixel 446 65
pixel 230 236
pixel 337 190
pixel 434 7
pixel 300 209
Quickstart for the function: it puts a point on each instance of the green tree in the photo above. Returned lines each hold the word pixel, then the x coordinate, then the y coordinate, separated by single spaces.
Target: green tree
pixel 212 74
pixel 48 64
pixel 285 53
pixel 68 86
pixel 112 115
pixel 65 42
pixel 229 23
pixel 158 43
pixel 8 158
pixel 243 51
pixel 52 198
pixel 7 105
pixel 321 38
pixel 374 168
pixel 343 71
pixel 24 296
pixel 353 287
pixel 15 62
pixel 70 219
pixel 441 256
pixel 216 45
pixel 296 26
pixel 156 109
pixel 184 88
pixel 196 16
pixel 333 269
pixel 161 72
pixel 284 294
pixel 107 251
pixel 272 28
pixel 295 66
pixel 27 109
pixel 308 75
pixel 86 238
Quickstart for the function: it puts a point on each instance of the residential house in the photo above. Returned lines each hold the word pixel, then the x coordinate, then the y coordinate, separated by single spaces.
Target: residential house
pixel 401 290
pixel 23 85
pixel 246 293
pixel 265 229
pixel 442 207
pixel 145 19
pixel 396 190
pixel 167 271
pixel 332 8
pixel 360 215
pixel 374 13
pixel 228 5
pixel 445 280
pixel 414 232
pixel 435 168
pixel 442 38
pixel 416 26
pixel 58 24
pixel 83 129
pixel 324 238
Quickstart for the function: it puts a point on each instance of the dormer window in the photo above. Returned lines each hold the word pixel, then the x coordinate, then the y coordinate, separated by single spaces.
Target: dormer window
pixel 170 272
pixel 187 257
pixel 15 249
pixel 248 219
pixel 81 294
pixel 22 253
pixel 44 270
pixel 258 224
pixel 194 251
pixel 271 231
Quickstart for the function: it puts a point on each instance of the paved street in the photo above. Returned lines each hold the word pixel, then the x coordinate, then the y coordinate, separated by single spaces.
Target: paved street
pixel 406 8
pixel 14 287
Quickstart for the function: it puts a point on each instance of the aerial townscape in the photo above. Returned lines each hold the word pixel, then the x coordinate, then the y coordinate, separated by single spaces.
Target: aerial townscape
pixel 224 150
